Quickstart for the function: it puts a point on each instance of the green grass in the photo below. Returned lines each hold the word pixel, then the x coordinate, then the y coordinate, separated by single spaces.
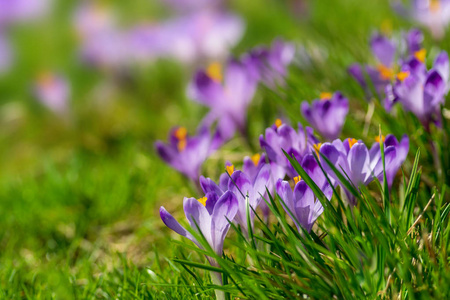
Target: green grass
pixel 80 194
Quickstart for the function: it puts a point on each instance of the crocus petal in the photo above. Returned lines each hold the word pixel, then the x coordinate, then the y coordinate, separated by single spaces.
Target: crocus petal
pixel 198 217
pixel 383 49
pixel 441 64
pixel 224 211
pixel 358 158
pixel 173 224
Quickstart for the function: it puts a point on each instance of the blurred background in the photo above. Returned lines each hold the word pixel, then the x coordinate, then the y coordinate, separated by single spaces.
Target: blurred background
pixel 87 87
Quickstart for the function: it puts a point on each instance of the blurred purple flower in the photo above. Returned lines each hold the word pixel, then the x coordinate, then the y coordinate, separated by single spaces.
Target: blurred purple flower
pixel 210 215
pixel 421 91
pixel 434 14
pixel 283 137
pixel 187 153
pixel 228 96
pixel 353 160
pixel 386 51
pixel 270 64
pixel 401 152
pixel 53 91
pixel 12 11
pixel 184 6
pixel 327 115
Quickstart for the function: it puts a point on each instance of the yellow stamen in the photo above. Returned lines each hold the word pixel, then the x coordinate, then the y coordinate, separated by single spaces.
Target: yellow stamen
pixel 402 75
pixel 182 145
pixel 351 142
pixel 325 96
pixel 214 71
pixel 255 158
pixel 278 122
pixel 317 148
pixel 230 169
pixel 377 138
pixel 385 72
pixel 180 133
pixel 420 55
pixel 435 5
pixel 297 179
pixel 202 200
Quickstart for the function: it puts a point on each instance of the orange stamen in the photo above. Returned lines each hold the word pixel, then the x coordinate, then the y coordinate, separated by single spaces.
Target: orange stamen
pixel 385 72
pixel 182 145
pixel 180 133
pixel 325 96
pixel 214 71
pixel 278 123
pixel 202 200
pixel 435 5
pixel 255 158
pixel 297 179
pixel 402 75
pixel 420 55
pixel 351 142
pixel 230 169
pixel 317 148
pixel 377 138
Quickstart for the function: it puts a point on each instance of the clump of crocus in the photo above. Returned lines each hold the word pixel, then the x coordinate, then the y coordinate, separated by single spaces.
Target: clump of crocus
pixel 389 54
pixel 327 115
pixel 420 91
pixel 53 91
pixel 227 93
pixel 301 204
pixel 210 216
pixel 354 161
pixel 269 65
pixel 401 152
pixel 281 137
pixel 187 153
pixel 434 14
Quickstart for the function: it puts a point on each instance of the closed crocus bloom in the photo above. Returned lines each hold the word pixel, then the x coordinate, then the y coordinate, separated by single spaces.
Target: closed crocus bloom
pixel 301 204
pixel 53 91
pixel 283 137
pixel 420 91
pixel 187 153
pixel 270 64
pixel 353 160
pixel 401 149
pixel 227 94
pixel 248 190
pixel 327 115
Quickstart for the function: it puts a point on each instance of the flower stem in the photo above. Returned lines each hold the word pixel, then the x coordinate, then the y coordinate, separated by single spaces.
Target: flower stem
pixel 216 279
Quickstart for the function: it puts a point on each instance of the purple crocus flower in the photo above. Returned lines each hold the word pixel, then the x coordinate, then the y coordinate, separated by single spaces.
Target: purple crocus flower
pixel 385 51
pixel 353 160
pixel 53 91
pixel 228 96
pixel 421 91
pixel 210 215
pixel 401 150
pixel 270 64
pixel 194 5
pixel 187 153
pixel 12 11
pixel 283 137
pixel 249 190
pixel 434 14
pixel 301 204
pixel 327 115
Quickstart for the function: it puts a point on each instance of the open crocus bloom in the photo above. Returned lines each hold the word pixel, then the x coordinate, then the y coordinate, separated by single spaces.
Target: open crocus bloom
pixel 248 190
pixel 327 115
pixel 434 14
pixel 401 149
pixel 353 160
pixel 270 64
pixel 421 91
pixel 187 153
pixel 53 91
pixel 227 95
pixel 283 137
pixel 301 204
pixel 385 52
pixel 210 215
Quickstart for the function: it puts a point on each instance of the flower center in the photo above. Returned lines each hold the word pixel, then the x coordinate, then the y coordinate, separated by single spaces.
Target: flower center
pixel 278 123
pixel 202 200
pixel 420 55
pixel 297 179
pixel 255 158
pixel 402 75
pixel 385 72
pixel 214 71
pixel 230 169
pixel 325 96
pixel 181 134
pixel 317 148
pixel 377 138
pixel 351 142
